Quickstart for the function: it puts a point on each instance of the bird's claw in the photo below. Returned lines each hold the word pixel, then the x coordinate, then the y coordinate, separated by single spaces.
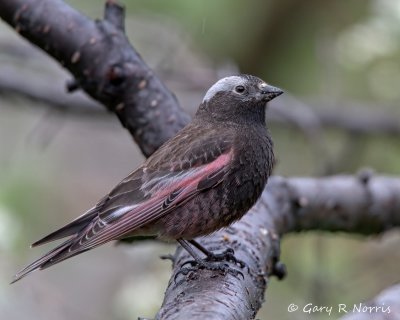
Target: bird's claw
pixel 227 255
pixel 223 268
pixel 214 262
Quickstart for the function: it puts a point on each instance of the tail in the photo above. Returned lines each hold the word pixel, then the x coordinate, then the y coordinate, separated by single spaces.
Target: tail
pixel 70 229
pixel 64 250
pixel 54 256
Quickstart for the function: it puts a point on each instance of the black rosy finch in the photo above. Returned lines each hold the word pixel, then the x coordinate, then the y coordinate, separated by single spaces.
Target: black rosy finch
pixel 205 178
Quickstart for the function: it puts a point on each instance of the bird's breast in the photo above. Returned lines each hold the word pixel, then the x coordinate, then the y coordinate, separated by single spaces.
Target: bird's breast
pixel 228 201
pixel 251 166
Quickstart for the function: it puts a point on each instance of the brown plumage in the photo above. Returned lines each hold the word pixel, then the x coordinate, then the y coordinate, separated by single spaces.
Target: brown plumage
pixel 203 179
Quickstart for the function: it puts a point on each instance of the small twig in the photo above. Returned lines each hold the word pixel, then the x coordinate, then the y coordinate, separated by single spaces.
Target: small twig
pixel 115 14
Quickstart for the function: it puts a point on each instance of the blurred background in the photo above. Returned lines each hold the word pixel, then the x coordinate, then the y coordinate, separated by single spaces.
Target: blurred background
pixel 338 62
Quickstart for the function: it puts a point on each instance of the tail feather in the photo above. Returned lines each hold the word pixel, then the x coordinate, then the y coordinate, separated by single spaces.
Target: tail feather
pixel 70 229
pixel 52 257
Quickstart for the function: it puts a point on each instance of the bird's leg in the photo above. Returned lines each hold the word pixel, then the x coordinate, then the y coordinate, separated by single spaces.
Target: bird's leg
pixel 210 262
pixel 185 245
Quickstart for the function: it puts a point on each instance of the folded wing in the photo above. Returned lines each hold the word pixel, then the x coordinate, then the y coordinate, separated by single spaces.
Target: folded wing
pixel 144 196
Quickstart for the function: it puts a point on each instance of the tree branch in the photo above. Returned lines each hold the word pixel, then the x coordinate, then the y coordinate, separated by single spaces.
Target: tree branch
pixel 285 111
pixel 103 63
pixel 364 205
pixel 45 93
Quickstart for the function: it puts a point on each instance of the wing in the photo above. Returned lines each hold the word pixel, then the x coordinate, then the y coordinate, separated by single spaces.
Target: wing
pixel 179 159
pixel 144 196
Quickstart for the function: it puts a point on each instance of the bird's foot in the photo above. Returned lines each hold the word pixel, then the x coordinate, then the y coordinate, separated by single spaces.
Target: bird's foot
pixel 227 255
pixel 214 262
pixel 221 267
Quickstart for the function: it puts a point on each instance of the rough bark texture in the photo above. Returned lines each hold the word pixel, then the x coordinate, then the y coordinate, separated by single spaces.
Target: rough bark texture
pixel 363 204
pixel 104 65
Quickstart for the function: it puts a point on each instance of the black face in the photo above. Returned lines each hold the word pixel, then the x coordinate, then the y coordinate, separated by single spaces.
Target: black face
pixel 256 92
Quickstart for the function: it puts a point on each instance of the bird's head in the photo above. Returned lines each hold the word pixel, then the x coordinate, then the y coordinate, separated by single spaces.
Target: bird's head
pixel 238 97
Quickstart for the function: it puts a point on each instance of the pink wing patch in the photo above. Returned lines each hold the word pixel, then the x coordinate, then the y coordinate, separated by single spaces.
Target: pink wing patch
pixel 176 192
pixel 162 194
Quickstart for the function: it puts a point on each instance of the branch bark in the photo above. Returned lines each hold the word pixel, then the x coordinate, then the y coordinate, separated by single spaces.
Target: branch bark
pixel 105 66
pixel 47 94
pixel 363 204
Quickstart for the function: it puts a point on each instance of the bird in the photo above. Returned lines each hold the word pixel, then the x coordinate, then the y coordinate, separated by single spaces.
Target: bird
pixel 201 180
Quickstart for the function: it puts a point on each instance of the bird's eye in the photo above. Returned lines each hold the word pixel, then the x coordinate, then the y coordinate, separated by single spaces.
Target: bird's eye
pixel 240 89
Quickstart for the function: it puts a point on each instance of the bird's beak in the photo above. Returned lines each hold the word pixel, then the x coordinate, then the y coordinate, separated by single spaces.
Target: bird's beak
pixel 269 92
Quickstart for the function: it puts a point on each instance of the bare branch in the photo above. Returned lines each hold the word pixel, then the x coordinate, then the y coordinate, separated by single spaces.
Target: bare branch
pixel 43 92
pixel 362 204
pixel 115 14
pixel 360 118
pixel 285 111
pixel 103 63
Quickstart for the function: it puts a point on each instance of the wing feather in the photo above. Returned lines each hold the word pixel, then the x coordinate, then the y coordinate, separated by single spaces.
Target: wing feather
pixel 131 206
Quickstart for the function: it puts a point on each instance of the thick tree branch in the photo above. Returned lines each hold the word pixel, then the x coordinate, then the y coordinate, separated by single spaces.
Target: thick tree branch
pixel 44 93
pixel 103 63
pixel 349 116
pixel 363 204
